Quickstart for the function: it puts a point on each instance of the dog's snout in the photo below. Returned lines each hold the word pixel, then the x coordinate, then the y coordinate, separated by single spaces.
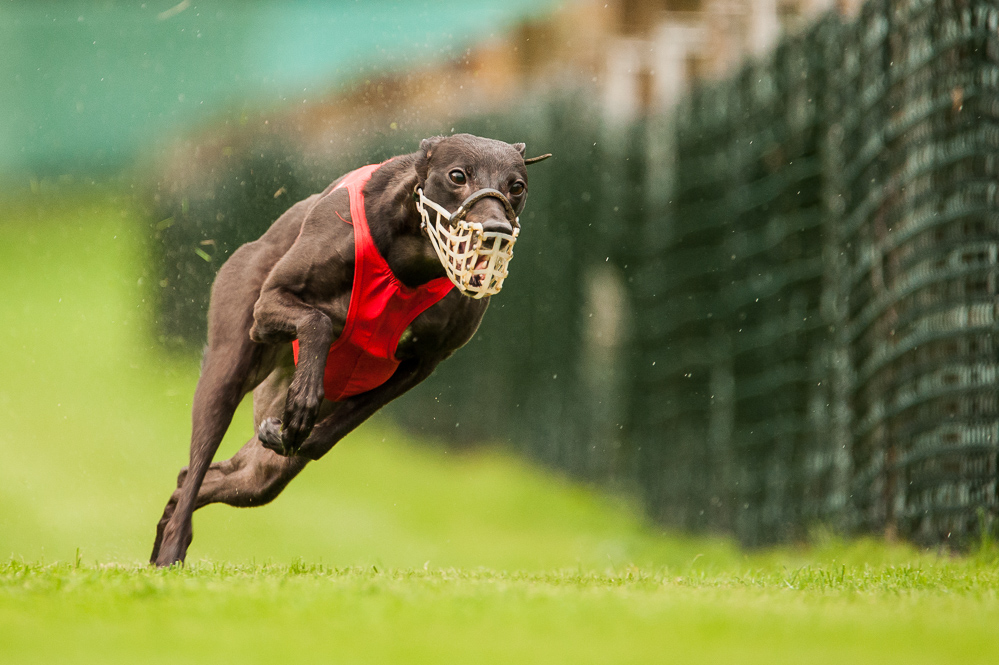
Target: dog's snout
pixel 497 226
pixel 492 215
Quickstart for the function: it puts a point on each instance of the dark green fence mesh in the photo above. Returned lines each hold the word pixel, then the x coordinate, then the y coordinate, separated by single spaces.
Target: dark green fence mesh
pixel 774 307
pixel 917 283
pixel 729 313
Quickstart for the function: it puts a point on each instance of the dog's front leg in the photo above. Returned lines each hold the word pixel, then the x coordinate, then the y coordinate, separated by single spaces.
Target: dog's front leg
pixel 280 316
pixel 353 411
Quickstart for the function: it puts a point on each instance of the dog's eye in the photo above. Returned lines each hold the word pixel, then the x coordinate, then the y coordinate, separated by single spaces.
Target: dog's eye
pixel 517 188
pixel 457 177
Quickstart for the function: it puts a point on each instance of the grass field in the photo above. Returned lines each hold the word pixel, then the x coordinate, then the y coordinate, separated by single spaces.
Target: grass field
pixel 389 550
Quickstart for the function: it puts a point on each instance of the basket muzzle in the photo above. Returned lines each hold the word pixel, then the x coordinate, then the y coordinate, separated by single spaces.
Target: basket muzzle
pixel 475 260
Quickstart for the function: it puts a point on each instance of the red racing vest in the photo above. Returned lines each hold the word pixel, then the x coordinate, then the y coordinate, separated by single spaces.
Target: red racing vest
pixel 381 308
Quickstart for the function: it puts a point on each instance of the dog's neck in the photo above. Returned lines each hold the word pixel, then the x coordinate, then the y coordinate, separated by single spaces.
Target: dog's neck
pixel 395 223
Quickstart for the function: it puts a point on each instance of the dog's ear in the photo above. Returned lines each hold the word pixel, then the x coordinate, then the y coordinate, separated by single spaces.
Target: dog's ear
pixel 427 145
pixel 422 164
pixel 520 147
pixel 539 158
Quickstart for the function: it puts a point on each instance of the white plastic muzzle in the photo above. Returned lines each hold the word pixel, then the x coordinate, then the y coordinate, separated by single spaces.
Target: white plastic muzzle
pixel 475 260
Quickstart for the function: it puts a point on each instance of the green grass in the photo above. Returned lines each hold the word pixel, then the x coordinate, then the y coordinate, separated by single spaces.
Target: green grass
pixel 939 613
pixel 389 550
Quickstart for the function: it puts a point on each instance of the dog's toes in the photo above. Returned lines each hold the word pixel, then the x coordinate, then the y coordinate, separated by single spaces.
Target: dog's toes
pixel 273 437
pixel 298 428
pixel 270 431
pixel 173 548
pixel 301 409
pixel 270 434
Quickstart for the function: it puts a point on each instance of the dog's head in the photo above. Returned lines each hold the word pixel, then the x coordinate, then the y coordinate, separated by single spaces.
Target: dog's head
pixel 476 188
pixel 451 168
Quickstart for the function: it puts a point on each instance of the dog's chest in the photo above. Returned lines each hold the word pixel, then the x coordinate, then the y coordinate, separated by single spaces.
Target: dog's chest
pixel 441 329
pixel 423 336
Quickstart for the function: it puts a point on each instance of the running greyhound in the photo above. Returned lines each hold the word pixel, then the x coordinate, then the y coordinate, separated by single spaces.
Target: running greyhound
pixel 351 298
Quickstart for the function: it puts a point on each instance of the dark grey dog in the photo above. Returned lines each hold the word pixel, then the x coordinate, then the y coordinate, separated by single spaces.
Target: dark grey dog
pixel 295 283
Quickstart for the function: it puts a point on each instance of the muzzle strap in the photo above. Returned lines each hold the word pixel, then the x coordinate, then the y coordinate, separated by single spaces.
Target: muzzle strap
pixel 485 193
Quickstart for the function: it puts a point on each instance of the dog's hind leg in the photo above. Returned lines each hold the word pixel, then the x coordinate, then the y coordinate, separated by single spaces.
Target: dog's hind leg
pixel 253 476
pixel 222 385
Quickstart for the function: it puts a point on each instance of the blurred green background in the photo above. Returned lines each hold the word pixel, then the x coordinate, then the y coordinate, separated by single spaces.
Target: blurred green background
pixel 90 85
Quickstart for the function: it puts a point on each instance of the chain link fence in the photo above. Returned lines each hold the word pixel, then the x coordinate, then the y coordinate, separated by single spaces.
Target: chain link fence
pixel 773 308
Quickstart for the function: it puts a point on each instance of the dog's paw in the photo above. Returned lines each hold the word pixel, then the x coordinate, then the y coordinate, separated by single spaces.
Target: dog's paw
pixel 301 410
pixel 271 437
